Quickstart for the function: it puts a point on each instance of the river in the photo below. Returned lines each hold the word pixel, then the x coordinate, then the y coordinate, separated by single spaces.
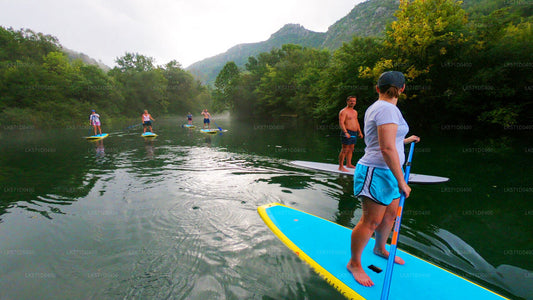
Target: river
pixel 175 217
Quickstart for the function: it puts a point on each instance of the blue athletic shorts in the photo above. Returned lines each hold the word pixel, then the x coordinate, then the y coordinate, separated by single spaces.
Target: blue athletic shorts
pixel 206 121
pixel 349 141
pixel 378 184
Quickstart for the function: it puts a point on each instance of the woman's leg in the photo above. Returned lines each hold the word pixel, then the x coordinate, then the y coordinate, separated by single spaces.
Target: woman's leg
pixel 369 222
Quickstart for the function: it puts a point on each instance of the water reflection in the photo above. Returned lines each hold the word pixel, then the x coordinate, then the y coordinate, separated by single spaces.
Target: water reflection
pixel 42 173
pixel 100 150
pixel 149 147
pixel 348 203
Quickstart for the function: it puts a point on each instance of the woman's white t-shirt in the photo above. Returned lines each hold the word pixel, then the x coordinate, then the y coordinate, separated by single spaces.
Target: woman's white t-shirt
pixel 380 113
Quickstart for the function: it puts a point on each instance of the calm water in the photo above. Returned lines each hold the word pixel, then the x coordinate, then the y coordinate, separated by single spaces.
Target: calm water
pixel 175 217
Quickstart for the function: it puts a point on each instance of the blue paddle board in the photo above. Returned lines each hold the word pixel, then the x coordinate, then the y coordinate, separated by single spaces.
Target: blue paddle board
pixel 325 246
pixel 188 126
pixel 148 134
pixel 98 136
pixel 334 168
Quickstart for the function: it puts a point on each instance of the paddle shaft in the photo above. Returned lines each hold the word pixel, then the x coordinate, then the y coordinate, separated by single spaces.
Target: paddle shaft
pixel 134 125
pixel 396 233
pixel 217 125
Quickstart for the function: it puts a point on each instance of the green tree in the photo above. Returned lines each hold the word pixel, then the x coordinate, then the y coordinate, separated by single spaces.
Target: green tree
pixel 344 77
pixel 427 37
pixel 135 62
pixel 142 85
pixel 497 90
pixel 290 84
pixel 226 85
pixel 26 45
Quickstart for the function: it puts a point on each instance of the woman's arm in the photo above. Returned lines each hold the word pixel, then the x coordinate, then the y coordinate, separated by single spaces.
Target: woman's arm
pixel 411 139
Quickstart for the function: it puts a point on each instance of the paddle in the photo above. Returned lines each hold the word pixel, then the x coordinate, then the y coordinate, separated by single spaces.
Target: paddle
pixel 396 233
pixel 217 125
pixel 134 125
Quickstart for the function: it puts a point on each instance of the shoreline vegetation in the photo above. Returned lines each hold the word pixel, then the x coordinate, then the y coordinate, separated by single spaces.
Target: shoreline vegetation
pixel 467 70
pixel 41 87
pixel 466 65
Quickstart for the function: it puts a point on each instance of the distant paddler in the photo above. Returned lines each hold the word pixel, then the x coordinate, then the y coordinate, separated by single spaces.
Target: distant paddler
pixel 147 121
pixel 189 118
pixel 94 120
pixel 349 129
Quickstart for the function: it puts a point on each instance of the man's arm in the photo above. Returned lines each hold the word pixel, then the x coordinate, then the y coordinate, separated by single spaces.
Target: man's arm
pixel 342 119
pixel 358 126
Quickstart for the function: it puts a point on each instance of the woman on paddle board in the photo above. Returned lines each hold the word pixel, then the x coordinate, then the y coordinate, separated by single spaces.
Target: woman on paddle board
pixel 378 177
pixel 94 119
pixel 147 121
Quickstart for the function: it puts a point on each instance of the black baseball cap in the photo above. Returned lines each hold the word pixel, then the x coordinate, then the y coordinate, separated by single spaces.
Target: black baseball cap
pixel 391 78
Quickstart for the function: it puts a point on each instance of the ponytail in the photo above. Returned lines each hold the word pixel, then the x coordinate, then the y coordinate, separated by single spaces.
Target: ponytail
pixel 390 91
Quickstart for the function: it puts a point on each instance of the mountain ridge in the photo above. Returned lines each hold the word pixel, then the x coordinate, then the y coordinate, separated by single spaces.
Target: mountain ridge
pixel 207 69
pixel 367 18
pixel 73 55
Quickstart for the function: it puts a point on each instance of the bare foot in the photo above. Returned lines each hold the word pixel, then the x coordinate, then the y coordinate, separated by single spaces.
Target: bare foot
pixel 343 169
pixel 360 275
pixel 385 255
pixel 350 166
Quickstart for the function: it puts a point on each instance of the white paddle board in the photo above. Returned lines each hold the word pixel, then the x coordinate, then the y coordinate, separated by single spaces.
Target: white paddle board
pixel 334 168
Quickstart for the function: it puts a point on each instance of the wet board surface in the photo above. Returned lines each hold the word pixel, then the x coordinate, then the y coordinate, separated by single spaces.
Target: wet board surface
pixel 325 246
pixel 334 168
pixel 148 134
pixel 212 131
pixel 97 137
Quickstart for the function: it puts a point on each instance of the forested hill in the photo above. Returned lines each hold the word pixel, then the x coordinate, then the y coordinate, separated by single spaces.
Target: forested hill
pixel 41 85
pixel 366 19
pixel 464 63
pixel 207 70
pixel 74 55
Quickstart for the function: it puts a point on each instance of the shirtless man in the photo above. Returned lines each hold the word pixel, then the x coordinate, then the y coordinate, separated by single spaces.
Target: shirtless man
pixel 207 116
pixel 349 128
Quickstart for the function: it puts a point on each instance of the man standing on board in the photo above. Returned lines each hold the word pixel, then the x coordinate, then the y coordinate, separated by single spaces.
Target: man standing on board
pixel 349 128
pixel 207 116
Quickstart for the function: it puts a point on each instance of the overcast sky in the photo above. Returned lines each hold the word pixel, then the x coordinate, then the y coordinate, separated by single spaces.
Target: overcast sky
pixel 182 30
